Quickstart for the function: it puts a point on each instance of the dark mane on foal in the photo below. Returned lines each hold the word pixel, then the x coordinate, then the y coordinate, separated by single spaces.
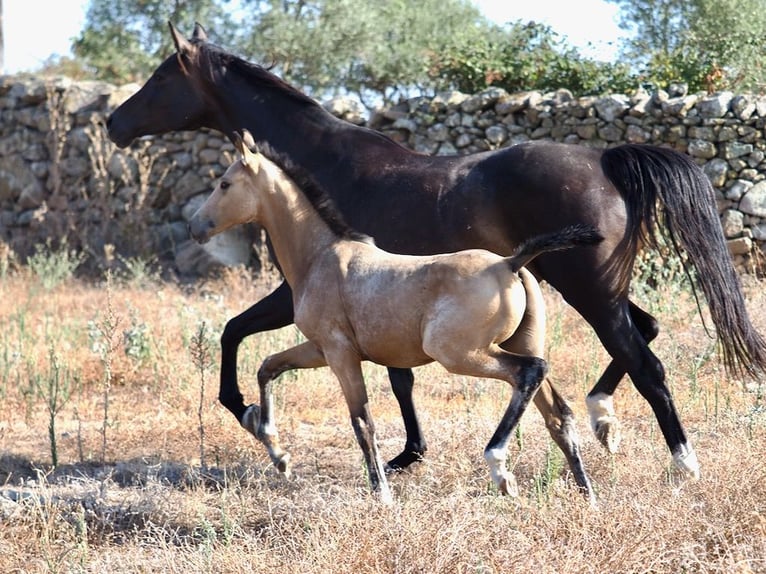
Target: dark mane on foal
pixel 316 194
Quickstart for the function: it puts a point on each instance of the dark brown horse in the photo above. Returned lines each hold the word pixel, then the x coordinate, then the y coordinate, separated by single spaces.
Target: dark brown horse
pixel 416 204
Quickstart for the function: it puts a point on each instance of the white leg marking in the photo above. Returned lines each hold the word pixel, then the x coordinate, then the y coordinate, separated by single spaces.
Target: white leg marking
pixel 268 435
pixel 685 460
pixel 503 479
pixel 603 420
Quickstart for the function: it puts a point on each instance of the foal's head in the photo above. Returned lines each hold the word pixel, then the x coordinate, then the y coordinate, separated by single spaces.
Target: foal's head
pixel 237 198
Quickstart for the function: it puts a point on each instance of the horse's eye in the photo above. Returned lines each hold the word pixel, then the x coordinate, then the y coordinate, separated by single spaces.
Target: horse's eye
pixel 225 185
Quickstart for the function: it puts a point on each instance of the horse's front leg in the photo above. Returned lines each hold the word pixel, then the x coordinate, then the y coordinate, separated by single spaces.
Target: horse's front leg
pixel 272 312
pixel 259 420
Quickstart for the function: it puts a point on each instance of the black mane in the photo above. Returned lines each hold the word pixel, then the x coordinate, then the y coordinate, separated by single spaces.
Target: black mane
pixel 214 58
pixel 319 198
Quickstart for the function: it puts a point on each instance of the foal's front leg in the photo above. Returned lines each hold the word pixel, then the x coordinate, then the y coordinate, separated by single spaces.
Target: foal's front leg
pixel 259 421
pixel 348 368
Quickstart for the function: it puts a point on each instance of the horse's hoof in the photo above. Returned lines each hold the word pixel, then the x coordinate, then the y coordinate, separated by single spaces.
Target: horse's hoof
pixel 604 423
pixel 608 433
pixel 250 419
pixel 402 461
pixel 508 486
pixel 686 461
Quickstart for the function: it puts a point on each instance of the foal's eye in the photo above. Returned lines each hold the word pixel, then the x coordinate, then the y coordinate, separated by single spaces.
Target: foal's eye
pixel 225 185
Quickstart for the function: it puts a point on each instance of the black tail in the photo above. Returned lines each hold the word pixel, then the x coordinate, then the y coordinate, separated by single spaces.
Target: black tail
pixel 688 217
pixel 571 236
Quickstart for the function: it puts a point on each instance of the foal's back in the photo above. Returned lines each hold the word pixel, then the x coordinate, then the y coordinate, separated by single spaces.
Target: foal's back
pixel 391 306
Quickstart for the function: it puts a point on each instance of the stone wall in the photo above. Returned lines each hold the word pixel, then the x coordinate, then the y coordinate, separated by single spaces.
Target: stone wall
pixel 62 180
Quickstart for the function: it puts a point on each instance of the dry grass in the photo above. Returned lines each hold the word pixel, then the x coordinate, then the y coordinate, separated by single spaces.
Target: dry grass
pixel 150 507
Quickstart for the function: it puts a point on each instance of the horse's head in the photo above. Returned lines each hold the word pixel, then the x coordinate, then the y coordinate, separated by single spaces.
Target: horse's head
pixel 170 100
pixel 237 197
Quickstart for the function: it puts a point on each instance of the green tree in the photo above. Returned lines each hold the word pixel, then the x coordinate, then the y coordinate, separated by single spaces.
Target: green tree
pixel 123 41
pixel 524 56
pixel 709 44
pixel 378 50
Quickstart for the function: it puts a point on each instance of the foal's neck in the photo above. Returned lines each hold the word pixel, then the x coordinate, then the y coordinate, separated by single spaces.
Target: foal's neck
pixel 298 233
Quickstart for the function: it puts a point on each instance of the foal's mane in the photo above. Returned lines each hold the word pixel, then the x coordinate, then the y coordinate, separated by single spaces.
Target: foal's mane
pixel 320 200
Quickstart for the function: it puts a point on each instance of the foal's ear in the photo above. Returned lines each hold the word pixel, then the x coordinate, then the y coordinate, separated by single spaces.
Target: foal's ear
pixel 247 137
pixel 243 147
pixel 183 46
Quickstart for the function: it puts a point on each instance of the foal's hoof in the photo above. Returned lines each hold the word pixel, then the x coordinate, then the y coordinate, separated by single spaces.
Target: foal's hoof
pixel 400 462
pixel 283 465
pixel 250 419
pixel 607 431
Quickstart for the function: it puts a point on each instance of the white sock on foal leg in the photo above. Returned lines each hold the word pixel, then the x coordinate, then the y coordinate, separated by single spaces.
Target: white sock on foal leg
pixel 502 477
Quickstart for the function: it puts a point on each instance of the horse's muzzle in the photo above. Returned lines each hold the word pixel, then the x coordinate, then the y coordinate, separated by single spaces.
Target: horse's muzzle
pixel 114 135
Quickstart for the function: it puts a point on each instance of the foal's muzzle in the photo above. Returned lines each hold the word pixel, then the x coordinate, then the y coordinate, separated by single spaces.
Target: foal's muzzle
pixel 200 229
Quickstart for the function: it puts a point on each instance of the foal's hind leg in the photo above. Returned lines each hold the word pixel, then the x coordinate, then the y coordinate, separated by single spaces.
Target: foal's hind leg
pixel 260 420
pixel 603 420
pixel 559 419
pixel 531 371
pixel 524 373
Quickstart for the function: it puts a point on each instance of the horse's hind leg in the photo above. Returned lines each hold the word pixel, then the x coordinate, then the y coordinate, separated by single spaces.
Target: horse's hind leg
pixel 626 344
pixel 599 401
pixel 402 381
pixel 259 420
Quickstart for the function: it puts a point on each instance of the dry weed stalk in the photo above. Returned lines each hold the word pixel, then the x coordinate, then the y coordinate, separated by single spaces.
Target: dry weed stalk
pixel 201 357
pixel 106 329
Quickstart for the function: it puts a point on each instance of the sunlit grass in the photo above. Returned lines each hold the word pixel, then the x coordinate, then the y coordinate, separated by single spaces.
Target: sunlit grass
pixel 170 498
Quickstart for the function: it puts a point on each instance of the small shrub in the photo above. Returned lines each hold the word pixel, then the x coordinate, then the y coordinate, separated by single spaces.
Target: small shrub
pixel 54 266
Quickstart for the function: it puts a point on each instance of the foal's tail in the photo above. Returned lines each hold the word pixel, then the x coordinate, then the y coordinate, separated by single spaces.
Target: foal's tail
pixel 571 236
pixel 688 217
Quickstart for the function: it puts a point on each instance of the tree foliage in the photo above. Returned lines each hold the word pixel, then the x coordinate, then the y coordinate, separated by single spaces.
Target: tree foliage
pixel 708 44
pixel 378 50
pixel 124 41
pixel 524 56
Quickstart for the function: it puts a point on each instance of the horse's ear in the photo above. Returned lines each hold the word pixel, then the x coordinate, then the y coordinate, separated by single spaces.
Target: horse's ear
pixel 183 46
pixel 199 33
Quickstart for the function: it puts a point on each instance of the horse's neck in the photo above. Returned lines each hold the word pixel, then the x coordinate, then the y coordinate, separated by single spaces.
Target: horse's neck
pixel 297 232
pixel 309 135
